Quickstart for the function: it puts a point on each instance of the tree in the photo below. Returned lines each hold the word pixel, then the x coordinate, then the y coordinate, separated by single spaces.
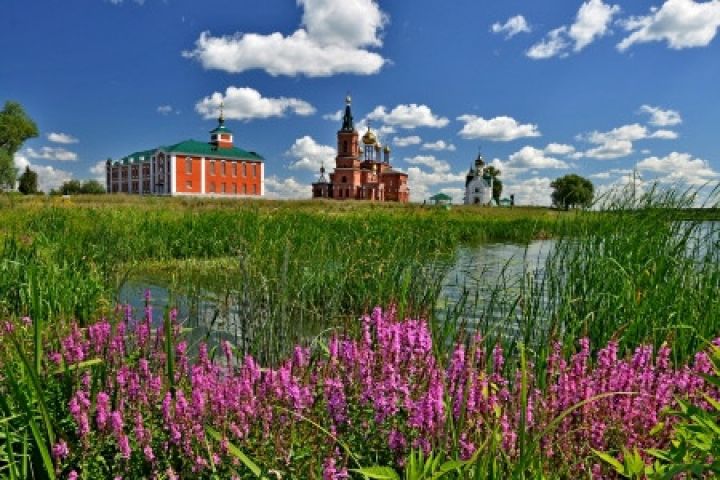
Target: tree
pixel 497 183
pixel 76 187
pixel 92 187
pixel 15 128
pixel 28 182
pixel 572 191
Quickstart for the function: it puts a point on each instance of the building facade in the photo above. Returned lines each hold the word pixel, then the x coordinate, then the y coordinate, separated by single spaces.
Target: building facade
pixel 361 175
pixel 190 168
pixel 478 184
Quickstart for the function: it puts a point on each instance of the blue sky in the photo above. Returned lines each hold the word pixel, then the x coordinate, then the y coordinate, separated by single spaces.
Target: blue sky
pixel 543 88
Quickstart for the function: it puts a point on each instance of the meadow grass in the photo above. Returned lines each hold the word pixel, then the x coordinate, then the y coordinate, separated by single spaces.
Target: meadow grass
pixel 640 271
pixel 293 268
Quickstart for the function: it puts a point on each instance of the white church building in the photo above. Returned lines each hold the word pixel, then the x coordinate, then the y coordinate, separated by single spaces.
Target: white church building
pixel 478 184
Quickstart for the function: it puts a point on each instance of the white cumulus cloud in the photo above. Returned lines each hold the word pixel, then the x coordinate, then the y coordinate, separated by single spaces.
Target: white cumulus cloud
pixel 245 103
pixel 429 161
pixel 530 157
pixel 660 117
pixel 310 155
pixel 286 188
pixel 408 116
pixel 335 117
pixel 334 38
pixel 559 149
pixel 439 146
pixel 592 21
pixel 63 138
pixel 532 191
pixel 680 23
pixel 618 142
pixel 512 27
pixel 679 168
pixel 51 153
pixel 499 129
pixel 406 141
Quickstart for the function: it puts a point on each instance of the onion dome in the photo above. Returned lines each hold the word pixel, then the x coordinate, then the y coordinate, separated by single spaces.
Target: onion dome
pixel 386 149
pixel 377 147
pixel 369 138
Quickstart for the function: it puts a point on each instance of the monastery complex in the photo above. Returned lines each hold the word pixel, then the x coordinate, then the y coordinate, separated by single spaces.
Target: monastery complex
pixel 190 168
pixel 361 175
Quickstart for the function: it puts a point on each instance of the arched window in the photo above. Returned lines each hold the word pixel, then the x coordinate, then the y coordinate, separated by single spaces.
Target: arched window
pixel 344 179
pixel 345 146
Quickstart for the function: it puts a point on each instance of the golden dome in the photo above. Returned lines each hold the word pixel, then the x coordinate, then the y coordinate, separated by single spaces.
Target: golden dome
pixel 386 149
pixel 369 138
pixel 377 147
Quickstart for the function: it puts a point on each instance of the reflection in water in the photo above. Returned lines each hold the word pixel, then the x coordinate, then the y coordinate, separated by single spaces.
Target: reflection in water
pixel 484 288
pixel 480 290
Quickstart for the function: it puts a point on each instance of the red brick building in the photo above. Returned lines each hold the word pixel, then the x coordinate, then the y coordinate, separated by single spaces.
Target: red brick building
pixel 190 168
pixel 365 175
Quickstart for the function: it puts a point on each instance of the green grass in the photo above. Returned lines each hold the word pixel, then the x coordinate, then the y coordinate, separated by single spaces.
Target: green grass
pixel 294 268
pixel 643 270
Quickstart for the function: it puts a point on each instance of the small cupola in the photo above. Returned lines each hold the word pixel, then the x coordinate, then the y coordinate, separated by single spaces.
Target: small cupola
pixel 221 136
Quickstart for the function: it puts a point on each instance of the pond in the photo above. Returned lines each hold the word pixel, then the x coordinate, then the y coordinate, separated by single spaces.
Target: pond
pixel 480 289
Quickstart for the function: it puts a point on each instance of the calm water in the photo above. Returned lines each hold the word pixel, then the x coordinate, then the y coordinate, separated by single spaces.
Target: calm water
pixel 481 288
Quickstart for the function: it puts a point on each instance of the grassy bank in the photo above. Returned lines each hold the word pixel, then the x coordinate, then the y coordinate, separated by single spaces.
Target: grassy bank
pixel 626 280
pixel 295 268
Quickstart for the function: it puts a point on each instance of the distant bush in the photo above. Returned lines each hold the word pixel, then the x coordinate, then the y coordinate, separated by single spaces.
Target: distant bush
pixel 76 187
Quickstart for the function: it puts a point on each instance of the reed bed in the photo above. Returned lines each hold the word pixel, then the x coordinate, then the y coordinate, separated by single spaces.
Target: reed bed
pixel 628 280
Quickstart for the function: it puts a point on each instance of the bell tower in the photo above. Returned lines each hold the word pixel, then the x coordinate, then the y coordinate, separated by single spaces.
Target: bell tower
pixel 348 148
pixel 221 136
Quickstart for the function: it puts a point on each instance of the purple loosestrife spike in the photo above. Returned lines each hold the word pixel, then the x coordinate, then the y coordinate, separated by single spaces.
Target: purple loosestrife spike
pixel 331 472
pixel 124 446
pixel 60 450
pixel 149 454
pixel 102 410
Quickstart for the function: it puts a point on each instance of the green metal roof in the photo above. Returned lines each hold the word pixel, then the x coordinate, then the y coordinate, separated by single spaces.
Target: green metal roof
pixel 192 147
pixel 221 129
pixel 207 149
pixel 440 196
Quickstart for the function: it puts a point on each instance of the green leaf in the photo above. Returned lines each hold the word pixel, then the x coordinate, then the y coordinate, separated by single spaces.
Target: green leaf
pixel 657 428
pixel 378 473
pixel 607 458
pixel 236 452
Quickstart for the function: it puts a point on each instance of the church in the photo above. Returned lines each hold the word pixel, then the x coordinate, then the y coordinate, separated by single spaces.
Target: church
pixel 190 168
pixel 365 175
pixel 478 184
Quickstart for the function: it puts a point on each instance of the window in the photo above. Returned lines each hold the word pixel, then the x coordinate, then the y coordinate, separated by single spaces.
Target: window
pixel 345 146
pixel 253 189
pixel 244 190
pixel 188 185
pixel 234 189
pixel 222 188
pixel 244 169
pixel 212 187
pixel 234 169
pixel 188 165
pixel 344 179
pixel 212 167
pixel 224 168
